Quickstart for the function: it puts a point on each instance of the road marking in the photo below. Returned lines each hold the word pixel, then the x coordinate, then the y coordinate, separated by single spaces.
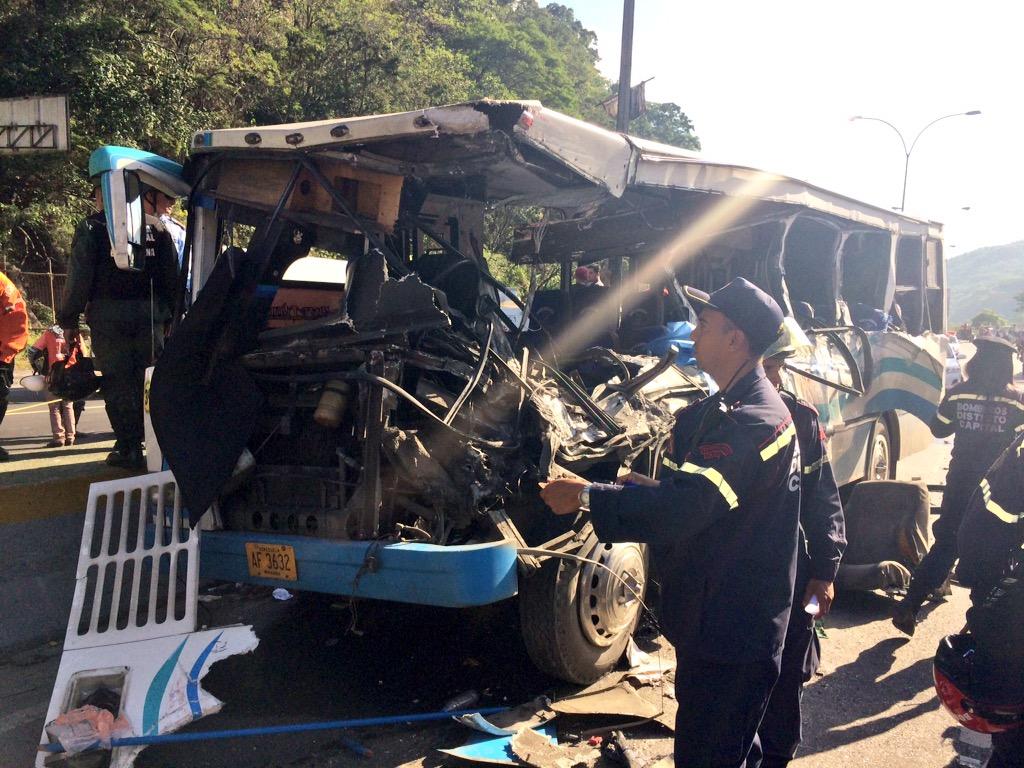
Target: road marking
pixel 26 410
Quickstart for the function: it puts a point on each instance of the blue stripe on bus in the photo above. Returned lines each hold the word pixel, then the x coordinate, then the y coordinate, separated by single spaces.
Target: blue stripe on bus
pixel 898 399
pixel 908 368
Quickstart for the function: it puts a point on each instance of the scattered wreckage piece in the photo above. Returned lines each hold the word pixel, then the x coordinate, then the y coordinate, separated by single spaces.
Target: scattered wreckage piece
pixel 533 749
pixel 532 714
pixel 131 645
pixel 611 696
pixel 496 750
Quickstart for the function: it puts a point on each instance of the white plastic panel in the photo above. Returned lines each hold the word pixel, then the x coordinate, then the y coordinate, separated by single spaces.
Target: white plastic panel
pixel 138 565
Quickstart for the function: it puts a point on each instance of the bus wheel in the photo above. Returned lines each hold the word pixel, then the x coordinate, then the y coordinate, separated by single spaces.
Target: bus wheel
pixel 577 617
pixel 881 465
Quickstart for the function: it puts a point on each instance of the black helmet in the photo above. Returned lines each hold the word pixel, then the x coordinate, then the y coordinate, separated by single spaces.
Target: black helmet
pixel 956 683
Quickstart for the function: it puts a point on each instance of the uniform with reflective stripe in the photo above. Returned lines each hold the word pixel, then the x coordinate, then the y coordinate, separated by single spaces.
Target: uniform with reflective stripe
pixel 823 540
pixel 722 524
pixel 984 425
pixel 992 530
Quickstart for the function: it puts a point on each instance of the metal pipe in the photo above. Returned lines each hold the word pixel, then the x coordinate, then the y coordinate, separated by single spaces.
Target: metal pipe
pixel 270 730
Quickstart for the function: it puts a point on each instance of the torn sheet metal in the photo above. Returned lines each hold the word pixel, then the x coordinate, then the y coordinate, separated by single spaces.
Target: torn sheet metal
pixel 533 749
pixel 131 633
pixel 645 668
pixel 495 750
pixel 615 697
pixel 529 715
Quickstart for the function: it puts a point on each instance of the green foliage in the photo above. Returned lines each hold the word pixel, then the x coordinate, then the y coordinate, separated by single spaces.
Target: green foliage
pixel 986 278
pixel 666 123
pixel 150 74
pixel 988 317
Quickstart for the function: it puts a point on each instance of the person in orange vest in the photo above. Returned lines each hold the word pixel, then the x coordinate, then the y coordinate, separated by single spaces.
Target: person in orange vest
pixel 13 338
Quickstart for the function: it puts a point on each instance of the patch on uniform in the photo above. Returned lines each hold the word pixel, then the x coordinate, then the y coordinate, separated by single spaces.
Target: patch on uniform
pixel 710 451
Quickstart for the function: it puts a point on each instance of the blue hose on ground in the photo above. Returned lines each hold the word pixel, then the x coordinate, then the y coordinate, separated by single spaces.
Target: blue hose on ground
pixel 270 730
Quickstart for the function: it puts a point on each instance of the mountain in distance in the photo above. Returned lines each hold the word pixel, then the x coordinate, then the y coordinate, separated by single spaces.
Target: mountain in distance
pixel 986 278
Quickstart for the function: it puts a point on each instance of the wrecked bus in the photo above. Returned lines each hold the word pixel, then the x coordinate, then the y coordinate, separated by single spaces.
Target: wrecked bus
pixel 383 435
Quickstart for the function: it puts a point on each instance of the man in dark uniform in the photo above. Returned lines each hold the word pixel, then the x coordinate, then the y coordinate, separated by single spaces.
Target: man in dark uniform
pixel 126 311
pixel 985 413
pixel 991 544
pixel 723 525
pixel 822 542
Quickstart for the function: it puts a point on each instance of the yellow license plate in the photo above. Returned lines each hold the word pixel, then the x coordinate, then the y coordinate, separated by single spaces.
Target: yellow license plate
pixel 271 561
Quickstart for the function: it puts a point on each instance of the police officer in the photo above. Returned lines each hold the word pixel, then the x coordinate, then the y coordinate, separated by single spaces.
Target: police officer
pixel 126 311
pixel 723 522
pixel 822 542
pixel 985 413
pixel 992 565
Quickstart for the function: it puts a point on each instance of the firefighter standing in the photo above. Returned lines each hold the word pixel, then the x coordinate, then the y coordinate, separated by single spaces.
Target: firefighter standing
pixel 723 525
pixel 992 565
pixel 985 413
pixel 822 542
pixel 126 311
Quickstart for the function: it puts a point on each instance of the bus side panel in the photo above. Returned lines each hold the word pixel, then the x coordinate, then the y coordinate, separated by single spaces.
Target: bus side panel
pixel 848 448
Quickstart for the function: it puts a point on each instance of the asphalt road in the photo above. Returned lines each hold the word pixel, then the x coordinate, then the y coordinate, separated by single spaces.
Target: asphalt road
pixel 873 704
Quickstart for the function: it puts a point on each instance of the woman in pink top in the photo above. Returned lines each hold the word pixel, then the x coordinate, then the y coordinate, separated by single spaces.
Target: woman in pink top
pixel 51 347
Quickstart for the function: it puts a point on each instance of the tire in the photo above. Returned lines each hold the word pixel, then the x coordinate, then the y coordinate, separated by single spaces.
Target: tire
pixel 576 618
pixel 881 464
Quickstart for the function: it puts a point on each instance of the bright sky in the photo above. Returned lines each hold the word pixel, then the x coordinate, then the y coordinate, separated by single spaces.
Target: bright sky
pixel 774 85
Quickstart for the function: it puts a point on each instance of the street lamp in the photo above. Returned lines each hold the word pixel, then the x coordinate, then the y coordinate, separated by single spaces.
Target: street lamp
pixel 906 152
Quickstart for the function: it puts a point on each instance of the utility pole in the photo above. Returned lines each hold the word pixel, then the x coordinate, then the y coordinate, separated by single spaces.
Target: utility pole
pixel 625 107
pixel 625 68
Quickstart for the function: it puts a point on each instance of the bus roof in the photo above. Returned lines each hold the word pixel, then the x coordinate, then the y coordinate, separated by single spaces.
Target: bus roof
pixel 594 155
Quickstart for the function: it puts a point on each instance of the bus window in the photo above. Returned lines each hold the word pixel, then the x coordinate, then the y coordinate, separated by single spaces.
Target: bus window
pixel 910 284
pixel 810 266
pixel 935 282
pixel 865 266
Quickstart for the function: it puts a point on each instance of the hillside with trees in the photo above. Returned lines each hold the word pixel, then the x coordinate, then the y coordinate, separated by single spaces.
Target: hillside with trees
pixel 150 74
pixel 990 278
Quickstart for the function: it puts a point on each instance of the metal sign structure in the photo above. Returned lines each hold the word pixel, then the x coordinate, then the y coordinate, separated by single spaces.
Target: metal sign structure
pixel 34 124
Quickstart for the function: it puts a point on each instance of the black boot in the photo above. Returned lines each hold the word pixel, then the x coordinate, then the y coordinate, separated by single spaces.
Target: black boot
pixel 130 458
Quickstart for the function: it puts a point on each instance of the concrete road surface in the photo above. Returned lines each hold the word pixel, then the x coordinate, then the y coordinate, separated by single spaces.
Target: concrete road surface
pixel 872 705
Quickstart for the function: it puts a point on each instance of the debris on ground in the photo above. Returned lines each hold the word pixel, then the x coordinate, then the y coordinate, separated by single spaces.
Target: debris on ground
pixel 87 727
pixel 529 715
pixel 282 594
pixel 534 749
pixel 495 750
pixel 645 668
pixel 614 697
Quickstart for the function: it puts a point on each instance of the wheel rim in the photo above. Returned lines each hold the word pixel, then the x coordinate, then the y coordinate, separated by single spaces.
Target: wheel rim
pixel 609 605
pixel 881 457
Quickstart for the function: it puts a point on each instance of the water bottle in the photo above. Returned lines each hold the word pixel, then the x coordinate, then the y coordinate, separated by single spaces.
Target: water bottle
pixel 811 609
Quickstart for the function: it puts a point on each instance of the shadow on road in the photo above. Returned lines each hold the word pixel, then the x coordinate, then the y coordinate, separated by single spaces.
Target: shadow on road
pixel 871 704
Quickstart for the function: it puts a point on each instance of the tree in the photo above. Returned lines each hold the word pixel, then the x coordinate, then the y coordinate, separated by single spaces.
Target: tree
pixel 665 122
pixel 988 317
pixel 149 75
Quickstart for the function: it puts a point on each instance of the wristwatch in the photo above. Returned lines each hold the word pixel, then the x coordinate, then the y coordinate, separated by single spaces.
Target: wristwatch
pixel 585 497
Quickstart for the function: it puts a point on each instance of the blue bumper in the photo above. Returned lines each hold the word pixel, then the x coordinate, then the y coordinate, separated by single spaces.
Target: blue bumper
pixel 406 572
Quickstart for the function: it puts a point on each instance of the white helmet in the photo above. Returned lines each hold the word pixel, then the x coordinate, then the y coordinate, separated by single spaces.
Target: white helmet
pixel 34 383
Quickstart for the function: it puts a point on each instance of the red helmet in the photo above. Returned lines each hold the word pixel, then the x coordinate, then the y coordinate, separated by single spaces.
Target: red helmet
pixel 959 691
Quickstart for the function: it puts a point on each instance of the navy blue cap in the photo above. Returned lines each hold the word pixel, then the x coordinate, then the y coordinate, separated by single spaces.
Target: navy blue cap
pixel 748 307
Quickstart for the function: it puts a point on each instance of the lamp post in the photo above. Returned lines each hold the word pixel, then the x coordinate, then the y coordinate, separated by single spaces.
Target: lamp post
pixel 906 151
